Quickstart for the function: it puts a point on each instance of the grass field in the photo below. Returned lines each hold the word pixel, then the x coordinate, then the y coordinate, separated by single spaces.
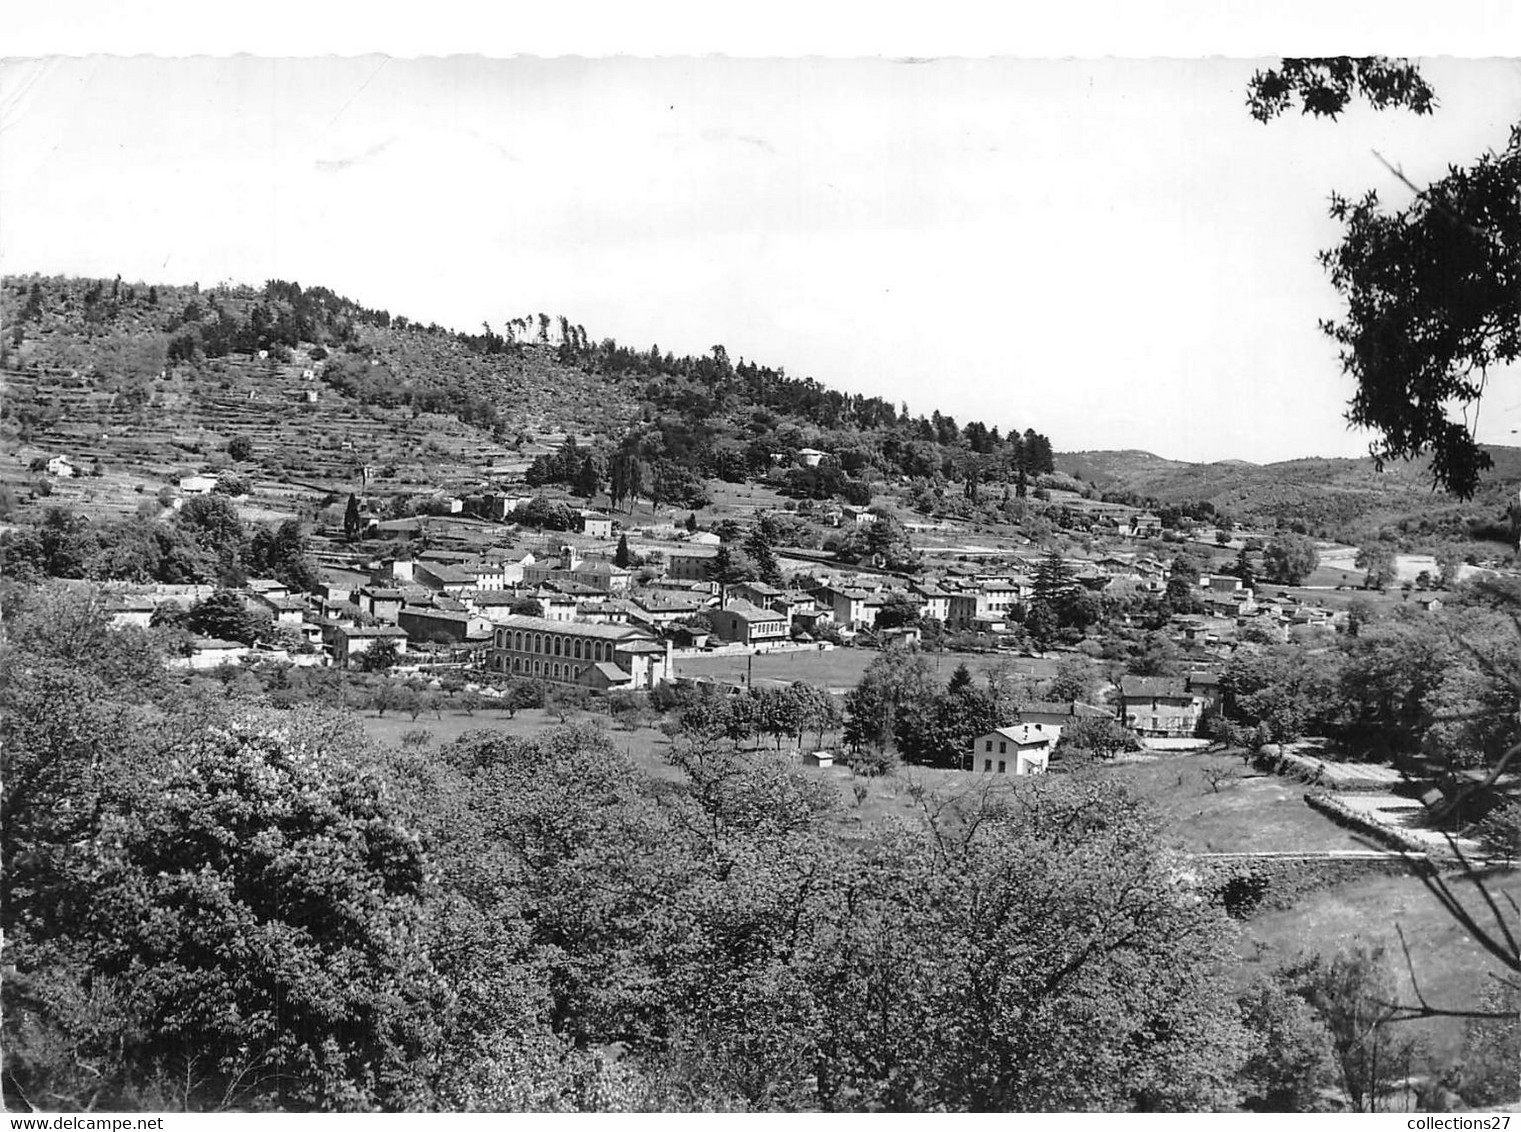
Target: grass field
pixel 840 669
pixel 1452 968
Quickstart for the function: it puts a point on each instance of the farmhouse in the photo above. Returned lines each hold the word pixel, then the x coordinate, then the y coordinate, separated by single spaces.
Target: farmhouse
pixel 1160 706
pixel 594 525
pixel 1024 748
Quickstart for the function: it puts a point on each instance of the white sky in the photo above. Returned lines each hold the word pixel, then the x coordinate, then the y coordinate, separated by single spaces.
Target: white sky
pixel 1112 252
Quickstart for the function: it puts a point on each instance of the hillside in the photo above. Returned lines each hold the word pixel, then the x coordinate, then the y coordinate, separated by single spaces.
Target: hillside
pixel 1348 499
pixel 320 396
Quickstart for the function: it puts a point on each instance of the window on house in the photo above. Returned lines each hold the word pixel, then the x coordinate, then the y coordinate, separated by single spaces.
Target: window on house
pixel 1000 766
pixel 988 746
pixel 1003 748
pixel 987 764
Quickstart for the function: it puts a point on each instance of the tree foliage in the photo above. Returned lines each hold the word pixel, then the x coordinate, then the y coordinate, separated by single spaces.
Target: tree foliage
pixel 1432 291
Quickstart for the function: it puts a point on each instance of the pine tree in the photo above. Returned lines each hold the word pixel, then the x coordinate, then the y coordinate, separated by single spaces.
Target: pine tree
pixel 758 548
pixel 621 555
pixel 588 483
pixel 351 520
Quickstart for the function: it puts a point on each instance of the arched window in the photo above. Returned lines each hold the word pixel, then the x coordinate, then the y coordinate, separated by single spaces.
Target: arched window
pixel 517 664
pixel 578 648
pixel 519 636
pixel 557 672
pixel 538 643
pixel 559 641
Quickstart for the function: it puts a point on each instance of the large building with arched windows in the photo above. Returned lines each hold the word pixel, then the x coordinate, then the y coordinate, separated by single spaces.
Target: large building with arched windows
pixel 579 652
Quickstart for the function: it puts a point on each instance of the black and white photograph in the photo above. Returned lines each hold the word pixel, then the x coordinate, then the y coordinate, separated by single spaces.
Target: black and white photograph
pixel 935 572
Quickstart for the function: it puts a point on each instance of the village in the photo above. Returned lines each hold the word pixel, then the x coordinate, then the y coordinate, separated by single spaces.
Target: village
pixel 499 601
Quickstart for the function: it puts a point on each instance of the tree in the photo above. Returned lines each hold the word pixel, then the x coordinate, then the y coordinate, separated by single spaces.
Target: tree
pixel 1243 570
pixel 1075 679
pixel 1042 622
pixel 1103 736
pixel 1377 560
pixel 621 556
pixel 239 929
pixel 898 611
pixel 896 679
pixel 525 606
pixel 212 522
pixel 283 552
pixel 1290 559
pixel 1053 581
pixel 224 617
pixel 353 525
pixel 1433 291
pixel 1291 1058
pixel 240 448
pixel 588 482
pixel 758 547
pixel 1353 994
pixel 382 656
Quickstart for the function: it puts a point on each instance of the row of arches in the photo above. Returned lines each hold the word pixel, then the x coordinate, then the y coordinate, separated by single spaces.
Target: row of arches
pixel 566 645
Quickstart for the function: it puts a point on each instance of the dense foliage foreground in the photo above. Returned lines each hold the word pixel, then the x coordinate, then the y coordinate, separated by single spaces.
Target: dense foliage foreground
pixel 211 903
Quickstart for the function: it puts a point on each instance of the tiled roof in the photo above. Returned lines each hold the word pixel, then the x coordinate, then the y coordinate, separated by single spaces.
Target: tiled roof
pixel 576 628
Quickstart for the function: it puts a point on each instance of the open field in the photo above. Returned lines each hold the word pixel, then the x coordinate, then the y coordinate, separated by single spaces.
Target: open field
pixel 1250 812
pixel 840 669
pixel 1452 968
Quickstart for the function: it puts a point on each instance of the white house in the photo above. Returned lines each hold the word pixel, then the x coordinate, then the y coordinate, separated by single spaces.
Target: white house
pixel 197 485
pixel 1024 748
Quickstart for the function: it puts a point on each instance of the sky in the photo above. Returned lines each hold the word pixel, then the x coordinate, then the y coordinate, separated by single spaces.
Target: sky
pixel 1110 251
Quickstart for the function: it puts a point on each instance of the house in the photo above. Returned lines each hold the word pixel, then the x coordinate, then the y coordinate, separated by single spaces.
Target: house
pixel 856 516
pixel 1053 717
pixel 1160 706
pixel 756 593
pixel 933 601
pixel 703 538
pixel 961 609
pixel 380 603
pixel 197 485
pixel 748 624
pixel 62 467
pixel 284 610
pixel 349 641
pixel 443 579
pixel 594 525
pixel 658 611
pixel 133 611
pixel 576 652
pixel 1024 748
pixel 690 565
pixel 610 612
pixel 810 456
pixel 599 574
pixel 422 623
pixel 846 606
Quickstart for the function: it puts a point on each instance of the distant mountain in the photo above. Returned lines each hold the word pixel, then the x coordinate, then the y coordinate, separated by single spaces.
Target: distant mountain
pixel 1348 497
